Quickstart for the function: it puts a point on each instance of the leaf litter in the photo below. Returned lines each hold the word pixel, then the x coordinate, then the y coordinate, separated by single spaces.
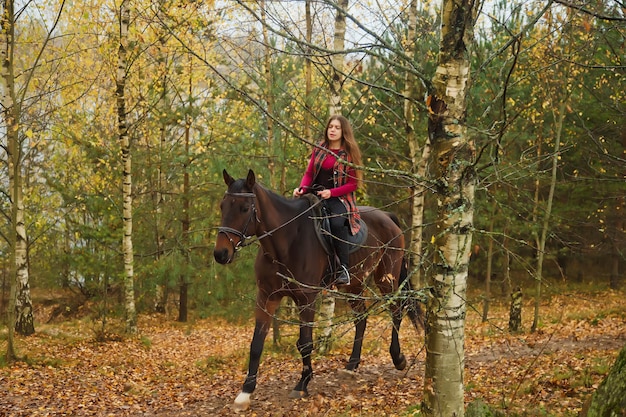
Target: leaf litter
pixel 196 369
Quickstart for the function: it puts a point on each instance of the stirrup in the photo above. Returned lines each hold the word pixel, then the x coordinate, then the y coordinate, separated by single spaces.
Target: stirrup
pixel 344 276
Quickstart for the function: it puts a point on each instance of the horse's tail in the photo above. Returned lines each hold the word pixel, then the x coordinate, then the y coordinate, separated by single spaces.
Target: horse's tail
pixel 410 301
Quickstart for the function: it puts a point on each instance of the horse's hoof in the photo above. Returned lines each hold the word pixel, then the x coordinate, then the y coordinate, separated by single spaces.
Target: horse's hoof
pixel 296 395
pixel 347 373
pixel 401 364
pixel 242 402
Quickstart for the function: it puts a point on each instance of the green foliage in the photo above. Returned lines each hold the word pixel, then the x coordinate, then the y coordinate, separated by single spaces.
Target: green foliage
pixel 201 98
pixel 227 291
pixel 478 408
pixel 146 342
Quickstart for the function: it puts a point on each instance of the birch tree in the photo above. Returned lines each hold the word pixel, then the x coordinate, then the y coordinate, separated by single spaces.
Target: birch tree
pixel 327 308
pixel 419 161
pixel 17 239
pixel 452 162
pixel 14 98
pixel 127 208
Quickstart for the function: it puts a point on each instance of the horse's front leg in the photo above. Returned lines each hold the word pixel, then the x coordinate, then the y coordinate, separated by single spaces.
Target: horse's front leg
pixel 264 312
pixel 305 347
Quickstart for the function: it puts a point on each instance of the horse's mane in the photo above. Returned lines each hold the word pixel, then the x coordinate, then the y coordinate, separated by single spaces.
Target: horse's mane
pixel 239 186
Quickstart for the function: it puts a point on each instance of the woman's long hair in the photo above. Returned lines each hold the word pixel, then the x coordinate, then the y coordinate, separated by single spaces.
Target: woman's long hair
pixel 349 143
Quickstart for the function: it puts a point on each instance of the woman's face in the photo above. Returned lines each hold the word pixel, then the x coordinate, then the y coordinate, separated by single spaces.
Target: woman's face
pixel 333 132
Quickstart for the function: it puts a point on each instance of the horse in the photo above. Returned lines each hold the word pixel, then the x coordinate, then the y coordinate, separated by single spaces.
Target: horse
pixel 292 262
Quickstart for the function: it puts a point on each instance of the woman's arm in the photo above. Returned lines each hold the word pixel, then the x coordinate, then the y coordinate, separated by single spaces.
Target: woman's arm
pixel 348 187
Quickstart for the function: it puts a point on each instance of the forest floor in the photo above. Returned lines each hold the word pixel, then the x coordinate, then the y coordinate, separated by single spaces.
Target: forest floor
pixel 197 368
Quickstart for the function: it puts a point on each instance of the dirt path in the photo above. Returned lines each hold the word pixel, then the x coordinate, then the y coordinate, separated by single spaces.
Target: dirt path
pixel 378 389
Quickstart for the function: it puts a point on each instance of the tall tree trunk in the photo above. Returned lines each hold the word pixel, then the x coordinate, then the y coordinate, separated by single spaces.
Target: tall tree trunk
pixel 617 236
pixel 452 159
pixel 535 220
pixel 327 307
pixel 269 125
pixel 24 320
pixel 127 207
pixel 20 308
pixel 308 73
pixel 610 397
pixel 162 292
pixel 161 285
pixel 419 161
pixel 545 227
pixel 487 296
pixel 269 96
pixel 515 311
pixel 337 69
pixel 186 217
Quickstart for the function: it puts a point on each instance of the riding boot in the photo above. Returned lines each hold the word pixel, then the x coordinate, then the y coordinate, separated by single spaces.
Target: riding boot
pixel 344 275
pixel 341 247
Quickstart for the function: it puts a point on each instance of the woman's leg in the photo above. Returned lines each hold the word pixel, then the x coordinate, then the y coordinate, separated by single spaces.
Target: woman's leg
pixel 339 229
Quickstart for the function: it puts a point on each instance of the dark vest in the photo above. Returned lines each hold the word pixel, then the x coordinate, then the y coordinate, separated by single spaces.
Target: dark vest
pixel 340 177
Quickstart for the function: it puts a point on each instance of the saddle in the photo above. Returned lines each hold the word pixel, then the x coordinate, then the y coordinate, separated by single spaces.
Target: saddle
pixel 320 216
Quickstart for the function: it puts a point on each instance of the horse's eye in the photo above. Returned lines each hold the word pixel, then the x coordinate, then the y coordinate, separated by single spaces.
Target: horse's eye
pixel 245 208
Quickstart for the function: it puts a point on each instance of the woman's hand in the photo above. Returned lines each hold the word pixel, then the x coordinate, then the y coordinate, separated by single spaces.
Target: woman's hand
pixel 298 191
pixel 324 194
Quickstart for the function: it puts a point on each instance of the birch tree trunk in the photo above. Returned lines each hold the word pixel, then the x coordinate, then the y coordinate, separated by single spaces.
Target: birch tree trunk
pixel 419 161
pixel 8 113
pixel 269 95
pixel 327 307
pixel 127 208
pixel 20 307
pixel 337 77
pixel 452 161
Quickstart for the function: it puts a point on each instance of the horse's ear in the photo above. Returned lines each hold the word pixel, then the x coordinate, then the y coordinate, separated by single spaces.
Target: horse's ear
pixel 250 180
pixel 227 178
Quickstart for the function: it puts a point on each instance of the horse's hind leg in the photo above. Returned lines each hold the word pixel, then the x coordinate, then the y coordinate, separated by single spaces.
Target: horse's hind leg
pixel 399 361
pixel 358 306
pixel 305 347
pixel 390 267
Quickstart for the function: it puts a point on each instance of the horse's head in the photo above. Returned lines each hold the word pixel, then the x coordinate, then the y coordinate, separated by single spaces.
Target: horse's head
pixel 239 217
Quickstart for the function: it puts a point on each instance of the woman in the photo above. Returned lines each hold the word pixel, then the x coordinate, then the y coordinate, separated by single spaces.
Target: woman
pixel 327 169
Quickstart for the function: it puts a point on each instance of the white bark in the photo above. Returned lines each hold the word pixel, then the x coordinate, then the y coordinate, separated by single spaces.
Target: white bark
pixel 338 58
pixel 327 308
pixel 452 158
pixel 20 308
pixel 419 161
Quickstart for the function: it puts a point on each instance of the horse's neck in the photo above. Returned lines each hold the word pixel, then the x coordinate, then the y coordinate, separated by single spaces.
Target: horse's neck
pixel 275 211
pixel 276 217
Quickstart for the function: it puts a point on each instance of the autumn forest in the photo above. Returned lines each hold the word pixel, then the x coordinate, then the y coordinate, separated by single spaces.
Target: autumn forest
pixel 495 131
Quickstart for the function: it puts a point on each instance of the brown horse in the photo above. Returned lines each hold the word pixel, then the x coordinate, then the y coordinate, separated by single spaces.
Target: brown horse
pixel 292 262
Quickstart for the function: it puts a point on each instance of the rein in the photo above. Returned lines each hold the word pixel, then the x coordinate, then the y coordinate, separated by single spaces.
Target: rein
pixel 243 237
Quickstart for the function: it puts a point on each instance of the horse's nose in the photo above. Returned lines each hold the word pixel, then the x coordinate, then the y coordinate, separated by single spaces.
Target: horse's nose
pixel 221 256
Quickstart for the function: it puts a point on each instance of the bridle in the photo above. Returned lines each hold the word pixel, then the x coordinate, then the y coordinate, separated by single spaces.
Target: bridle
pixel 242 235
